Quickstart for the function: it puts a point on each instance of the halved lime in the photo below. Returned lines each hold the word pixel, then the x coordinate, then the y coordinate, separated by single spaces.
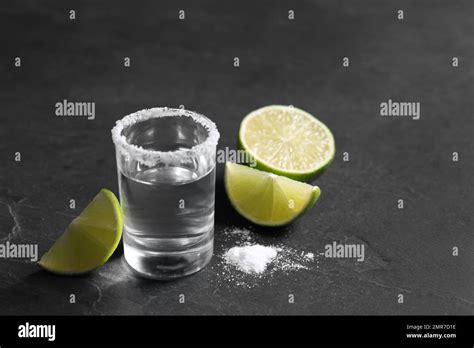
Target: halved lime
pixel 90 239
pixel 265 198
pixel 287 141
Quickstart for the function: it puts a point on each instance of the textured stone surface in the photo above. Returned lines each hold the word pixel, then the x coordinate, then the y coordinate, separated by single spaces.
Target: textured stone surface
pixel 296 62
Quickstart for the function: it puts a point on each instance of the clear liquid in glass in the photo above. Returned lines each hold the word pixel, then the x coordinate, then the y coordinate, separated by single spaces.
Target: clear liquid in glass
pixel 168 209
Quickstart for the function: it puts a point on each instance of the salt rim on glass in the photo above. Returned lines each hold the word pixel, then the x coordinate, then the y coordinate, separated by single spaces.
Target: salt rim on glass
pixel 152 157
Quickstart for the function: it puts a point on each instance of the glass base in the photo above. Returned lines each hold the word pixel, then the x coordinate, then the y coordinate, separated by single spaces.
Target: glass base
pixel 169 265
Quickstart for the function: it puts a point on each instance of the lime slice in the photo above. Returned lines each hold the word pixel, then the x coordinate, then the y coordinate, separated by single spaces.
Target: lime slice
pixel 287 141
pixel 265 198
pixel 90 239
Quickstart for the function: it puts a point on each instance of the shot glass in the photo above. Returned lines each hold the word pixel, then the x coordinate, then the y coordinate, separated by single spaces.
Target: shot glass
pixel 166 160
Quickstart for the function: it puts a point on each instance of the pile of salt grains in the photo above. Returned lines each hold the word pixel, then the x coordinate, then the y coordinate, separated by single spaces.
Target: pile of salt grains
pixel 248 263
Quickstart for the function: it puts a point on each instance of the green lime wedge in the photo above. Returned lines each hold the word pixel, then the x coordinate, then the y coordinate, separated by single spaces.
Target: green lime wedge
pixel 287 141
pixel 90 239
pixel 265 198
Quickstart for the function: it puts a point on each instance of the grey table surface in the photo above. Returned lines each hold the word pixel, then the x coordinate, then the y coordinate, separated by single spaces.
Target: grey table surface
pixel 408 251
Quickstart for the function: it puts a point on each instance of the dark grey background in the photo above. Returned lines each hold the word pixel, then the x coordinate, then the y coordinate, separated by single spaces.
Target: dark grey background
pixel 295 62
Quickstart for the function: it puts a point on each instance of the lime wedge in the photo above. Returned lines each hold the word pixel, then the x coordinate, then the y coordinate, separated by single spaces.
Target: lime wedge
pixel 287 141
pixel 90 239
pixel 265 198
